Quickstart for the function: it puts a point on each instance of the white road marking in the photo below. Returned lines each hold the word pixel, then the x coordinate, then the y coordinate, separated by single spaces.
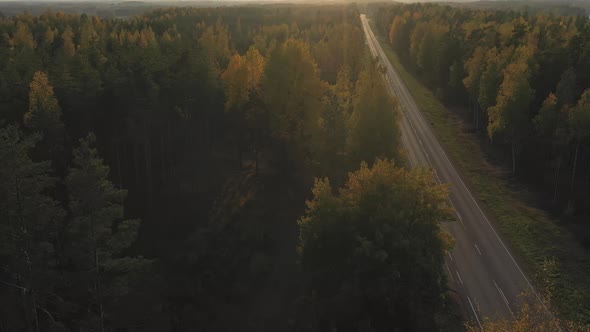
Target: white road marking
pixel 475 313
pixel 451 257
pixel 449 270
pixel 437 177
pixel 503 297
pixel 458 275
pixel 457 213
pixel 476 247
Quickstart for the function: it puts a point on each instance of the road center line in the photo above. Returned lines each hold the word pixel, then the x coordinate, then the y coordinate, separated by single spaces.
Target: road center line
pixel 503 297
pixel 457 212
pixel 451 257
pixel 476 247
pixel 458 275
pixel 474 313
pixel 449 271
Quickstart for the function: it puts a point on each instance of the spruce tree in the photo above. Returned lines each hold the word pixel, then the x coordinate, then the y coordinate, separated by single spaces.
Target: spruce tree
pixel 98 232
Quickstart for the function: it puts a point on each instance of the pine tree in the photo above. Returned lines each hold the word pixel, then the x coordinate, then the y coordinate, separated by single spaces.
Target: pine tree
pixel 98 232
pixel 28 221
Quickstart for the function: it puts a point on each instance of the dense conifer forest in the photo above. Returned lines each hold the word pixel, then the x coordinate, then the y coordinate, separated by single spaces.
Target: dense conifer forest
pixel 154 169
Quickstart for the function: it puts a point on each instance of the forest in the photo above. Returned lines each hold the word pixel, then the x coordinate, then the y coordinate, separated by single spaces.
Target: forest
pixel 523 78
pixel 209 169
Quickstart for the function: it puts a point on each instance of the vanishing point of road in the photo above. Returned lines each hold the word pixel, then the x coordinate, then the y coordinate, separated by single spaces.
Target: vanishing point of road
pixel 480 267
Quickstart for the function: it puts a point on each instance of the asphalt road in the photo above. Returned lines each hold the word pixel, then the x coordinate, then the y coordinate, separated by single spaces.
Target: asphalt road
pixel 480 267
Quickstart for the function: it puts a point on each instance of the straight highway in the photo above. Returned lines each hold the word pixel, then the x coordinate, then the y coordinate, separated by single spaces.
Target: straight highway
pixel 480 267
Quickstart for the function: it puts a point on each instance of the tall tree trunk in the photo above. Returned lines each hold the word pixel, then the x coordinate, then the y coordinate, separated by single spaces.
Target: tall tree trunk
pixel 239 145
pixel 256 160
pixel 556 180
pixel 163 174
pixel 470 107
pixel 170 149
pixel 24 307
pixel 136 164
pixel 119 168
pixel 147 155
pixel 574 168
pixel 474 105
pixel 477 116
pixel 97 284
pixel 207 136
pixel 513 157
pixel 24 250
pixel 34 307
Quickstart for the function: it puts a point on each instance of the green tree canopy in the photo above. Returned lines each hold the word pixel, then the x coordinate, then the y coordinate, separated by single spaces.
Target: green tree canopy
pixel 292 92
pixel 374 250
pixel 29 219
pixel 373 127
pixel 98 232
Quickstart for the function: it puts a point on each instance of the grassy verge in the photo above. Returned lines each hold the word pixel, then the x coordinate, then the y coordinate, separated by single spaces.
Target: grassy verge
pixel 531 233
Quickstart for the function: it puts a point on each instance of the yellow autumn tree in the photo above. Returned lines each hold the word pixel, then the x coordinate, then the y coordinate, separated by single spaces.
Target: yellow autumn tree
pixel 242 76
pixel 242 80
pixel 147 38
pixel 69 48
pixel 397 31
pixel 293 92
pixel 509 116
pixel 255 62
pixel 44 111
pixel 23 38
pixel 215 40
pixel 235 77
pixel 50 36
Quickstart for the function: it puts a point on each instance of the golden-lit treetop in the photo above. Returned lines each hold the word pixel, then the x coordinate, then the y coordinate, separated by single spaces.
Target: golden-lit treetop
pixel 44 110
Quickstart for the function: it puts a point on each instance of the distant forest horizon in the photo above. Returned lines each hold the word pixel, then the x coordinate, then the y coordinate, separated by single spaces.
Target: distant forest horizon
pixel 127 8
